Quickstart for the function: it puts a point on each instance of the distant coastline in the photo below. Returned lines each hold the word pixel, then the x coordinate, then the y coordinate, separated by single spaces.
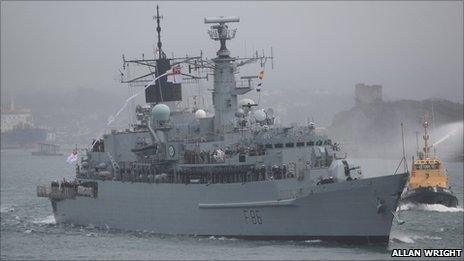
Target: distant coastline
pixel 373 129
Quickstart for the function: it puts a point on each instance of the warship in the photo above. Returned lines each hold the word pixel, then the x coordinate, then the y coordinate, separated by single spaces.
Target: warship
pixel 429 182
pixel 232 172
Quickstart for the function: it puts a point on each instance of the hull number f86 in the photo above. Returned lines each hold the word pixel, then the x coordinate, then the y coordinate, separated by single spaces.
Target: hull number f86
pixel 252 216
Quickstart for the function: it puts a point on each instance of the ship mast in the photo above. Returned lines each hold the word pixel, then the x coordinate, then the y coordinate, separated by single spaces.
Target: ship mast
pixel 224 68
pixel 426 138
pixel 225 91
pixel 161 91
pixel 224 98
pixel 158 30
pixel 417 144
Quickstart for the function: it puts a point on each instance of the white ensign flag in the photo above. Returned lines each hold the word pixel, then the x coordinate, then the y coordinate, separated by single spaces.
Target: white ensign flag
pixel 175 75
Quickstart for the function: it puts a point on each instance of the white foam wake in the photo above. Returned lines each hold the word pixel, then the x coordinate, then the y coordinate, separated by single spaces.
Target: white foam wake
pixel 431 207
pixel 410 239
pixel 401 238
pixel 313 241
pixel 7 209
pixel 222 238
pixel 48 220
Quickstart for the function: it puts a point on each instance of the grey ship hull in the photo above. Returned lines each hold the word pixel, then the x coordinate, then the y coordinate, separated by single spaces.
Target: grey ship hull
pixel 357 211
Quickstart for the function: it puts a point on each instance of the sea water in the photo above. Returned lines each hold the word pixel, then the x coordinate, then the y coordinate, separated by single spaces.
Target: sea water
pixel 29 231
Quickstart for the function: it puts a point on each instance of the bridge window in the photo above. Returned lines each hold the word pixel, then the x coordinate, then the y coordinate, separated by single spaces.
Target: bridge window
pixel 310 143
pixel 278 145
pixel 289 145
pixel 269 146
pixel 300 144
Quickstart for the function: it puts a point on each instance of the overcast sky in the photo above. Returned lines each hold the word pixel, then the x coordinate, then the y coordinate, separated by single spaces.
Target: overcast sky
pixel 414 49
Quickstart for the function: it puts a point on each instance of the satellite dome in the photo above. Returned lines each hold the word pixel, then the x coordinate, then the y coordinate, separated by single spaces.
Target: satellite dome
pixel 247 102
pixel 259 115
pixel 199 114
pixel 240 112
pixel 160 112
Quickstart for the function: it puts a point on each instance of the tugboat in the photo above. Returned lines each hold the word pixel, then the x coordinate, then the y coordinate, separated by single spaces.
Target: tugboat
pixel 429 182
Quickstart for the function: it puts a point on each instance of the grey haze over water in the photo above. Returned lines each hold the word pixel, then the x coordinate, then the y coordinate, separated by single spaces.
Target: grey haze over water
pixel 414 49
pixel 54 53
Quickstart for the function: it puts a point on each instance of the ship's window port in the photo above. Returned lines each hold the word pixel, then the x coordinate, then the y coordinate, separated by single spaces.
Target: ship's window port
pixel 278 145
pixel 289 145
pixel 310 143
pixel 268 146
pixel 300 144
pixel 426 166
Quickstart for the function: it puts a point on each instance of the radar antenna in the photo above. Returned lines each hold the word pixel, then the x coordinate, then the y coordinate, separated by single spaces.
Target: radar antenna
pixel 221 32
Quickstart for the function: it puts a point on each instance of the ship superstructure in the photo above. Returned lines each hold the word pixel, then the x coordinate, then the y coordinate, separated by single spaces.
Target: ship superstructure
pixel 429 182
pixel 232 172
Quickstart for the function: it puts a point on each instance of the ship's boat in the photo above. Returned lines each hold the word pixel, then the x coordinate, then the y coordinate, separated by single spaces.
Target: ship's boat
pixel 231 171
pixel 429 182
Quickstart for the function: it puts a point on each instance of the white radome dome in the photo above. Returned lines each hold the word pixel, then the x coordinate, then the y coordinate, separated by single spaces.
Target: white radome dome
pixel 259 115
pixel 240 112
pixel 200 114
pixel 246 101
pixel 160 112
